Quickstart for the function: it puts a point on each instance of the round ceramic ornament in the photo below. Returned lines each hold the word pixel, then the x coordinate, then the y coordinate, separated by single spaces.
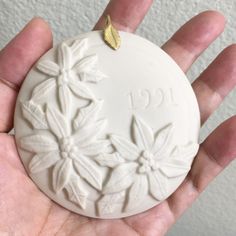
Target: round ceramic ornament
pixel 107 133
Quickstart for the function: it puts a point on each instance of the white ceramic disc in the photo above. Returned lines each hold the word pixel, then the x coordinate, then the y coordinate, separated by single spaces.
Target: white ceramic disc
pixel 107 133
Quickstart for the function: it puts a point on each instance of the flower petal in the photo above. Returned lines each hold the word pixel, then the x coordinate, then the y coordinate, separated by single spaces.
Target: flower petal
pixel 80 90
pixel 137 192
pixel 143 134
pixel 92 76
pixel 41 90
pixel 78 48
pixel 64 99
pixel 57 122
pixel 38 143
pixel 179 163
pixel 95 148
pixel 126 149
pixel 87 115
pixel 34 114
pixel 109 160
pixel 76 191
pixel 121 178
pixel 88 170
pixel 185 153
pixel 48 67
pixel 86 64
pixel 43 161
pixel 163 140
pixel 158 185
pixel 175 169
pixel 64 56
pixel 88 134
pixel 61 174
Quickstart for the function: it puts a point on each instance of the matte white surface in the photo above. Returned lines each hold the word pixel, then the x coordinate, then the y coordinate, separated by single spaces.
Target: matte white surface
pixel 70 16
pixel 144 106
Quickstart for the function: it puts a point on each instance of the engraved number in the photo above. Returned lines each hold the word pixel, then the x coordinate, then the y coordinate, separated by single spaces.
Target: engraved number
pixel 147 98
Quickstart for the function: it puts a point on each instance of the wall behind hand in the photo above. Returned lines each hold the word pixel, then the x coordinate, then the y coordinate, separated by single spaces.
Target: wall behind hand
pixel 214 213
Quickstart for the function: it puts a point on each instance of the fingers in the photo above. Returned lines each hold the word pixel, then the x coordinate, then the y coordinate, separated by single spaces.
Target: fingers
pixel 217 151
pixel 188 43
pixel 20 54
pixel 125 15
pixel 194 37
pixel 16 59
pixel 216 82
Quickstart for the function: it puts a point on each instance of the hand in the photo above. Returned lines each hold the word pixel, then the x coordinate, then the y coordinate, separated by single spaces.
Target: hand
pixel 24 210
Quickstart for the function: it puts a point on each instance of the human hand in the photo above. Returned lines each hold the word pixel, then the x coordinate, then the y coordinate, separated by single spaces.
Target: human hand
pixel 24 210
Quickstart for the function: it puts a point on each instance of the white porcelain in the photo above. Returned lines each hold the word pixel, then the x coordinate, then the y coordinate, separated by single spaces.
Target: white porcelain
pixel 106 133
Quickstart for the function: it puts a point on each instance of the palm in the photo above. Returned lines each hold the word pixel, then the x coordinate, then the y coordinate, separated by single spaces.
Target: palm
pixel 31 212
pixel 25 210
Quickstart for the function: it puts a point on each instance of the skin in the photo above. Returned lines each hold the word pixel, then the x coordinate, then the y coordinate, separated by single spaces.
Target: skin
pixel 24 210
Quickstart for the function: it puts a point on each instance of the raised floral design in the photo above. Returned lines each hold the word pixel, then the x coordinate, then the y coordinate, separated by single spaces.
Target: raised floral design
pixel 68 146
pixel 145 165
pixel 73 149
pixel 67 152
pixel 69 75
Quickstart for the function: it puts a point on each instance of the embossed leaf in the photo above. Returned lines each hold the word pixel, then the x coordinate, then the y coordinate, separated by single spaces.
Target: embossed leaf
pixel 163 140
pixel 64 99
pixel 111 35
pixel 41 91
pixel 38 143
pixel 34 115
pixel 88 134
pixel 121 178
pixel 143 134
pixel 64 56
pixel 95 148
pixel 87 115
pixel 92 76
pixel 48 68
pixel 88 170
pixel 76 191
pixel 86 64
pixel 158 185
pixel 61 174
pixel 110 202
pixel 78 48
pixel 43 161
pixel 137 192
pixel 109 160
pixel 57 122
pixel 126 149
pixel 80 90
pixel 179 163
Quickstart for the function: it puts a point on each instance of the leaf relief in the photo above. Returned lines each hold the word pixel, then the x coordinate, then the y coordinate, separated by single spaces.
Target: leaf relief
pixel 87 115
pixel 34 115
pixel 76 191
pixel 110 203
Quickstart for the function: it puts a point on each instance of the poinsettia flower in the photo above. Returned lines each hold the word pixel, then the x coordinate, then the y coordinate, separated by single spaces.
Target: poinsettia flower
pixel 145 165
pixel 69 75
pixel 67 152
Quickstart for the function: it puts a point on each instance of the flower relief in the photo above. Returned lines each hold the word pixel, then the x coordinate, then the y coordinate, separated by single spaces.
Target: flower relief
pixel 73 150
pixel 67 146
pixel 143 166
pixel 69 75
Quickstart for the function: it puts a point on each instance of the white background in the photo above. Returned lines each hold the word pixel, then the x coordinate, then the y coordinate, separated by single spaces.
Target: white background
pixel 214 213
